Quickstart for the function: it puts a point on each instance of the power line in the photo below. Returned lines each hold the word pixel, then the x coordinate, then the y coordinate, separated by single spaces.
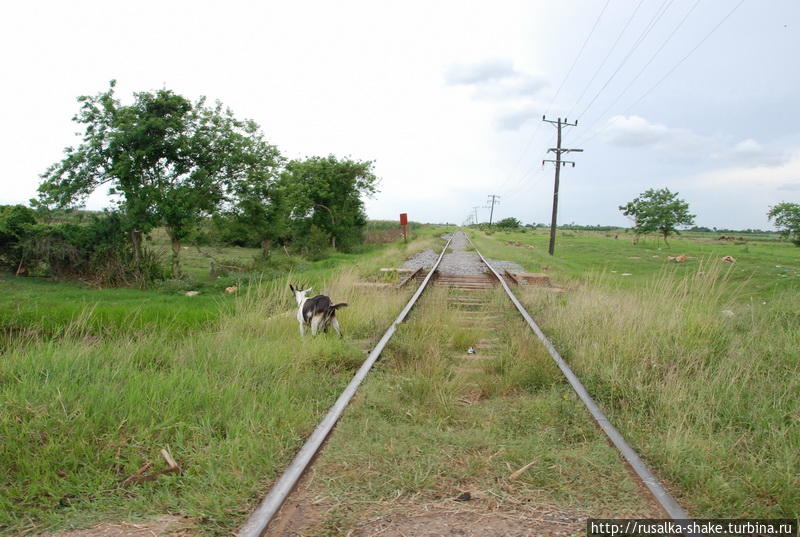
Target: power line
pixel 608 55
pixel 666 75
pixel 646 65
pixel 659 13
pixel 558 91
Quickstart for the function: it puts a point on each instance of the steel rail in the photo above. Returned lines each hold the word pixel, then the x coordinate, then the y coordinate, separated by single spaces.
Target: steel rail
pixel 662 497
pixel 257 523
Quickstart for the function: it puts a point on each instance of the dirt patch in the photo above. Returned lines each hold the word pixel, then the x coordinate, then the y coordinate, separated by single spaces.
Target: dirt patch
pixel 478 517
pixel 297 519
pixel 163 526
pixel 467 524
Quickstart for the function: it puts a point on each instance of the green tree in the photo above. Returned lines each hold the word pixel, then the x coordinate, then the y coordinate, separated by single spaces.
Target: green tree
pixel 259 208
pixel 658 211
pixel 14 221
pixel 170 162
pixel 509 223
pixel 326 193
pixel 787 219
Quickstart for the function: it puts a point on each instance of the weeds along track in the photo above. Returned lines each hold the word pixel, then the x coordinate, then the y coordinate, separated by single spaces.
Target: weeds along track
pixel 471 296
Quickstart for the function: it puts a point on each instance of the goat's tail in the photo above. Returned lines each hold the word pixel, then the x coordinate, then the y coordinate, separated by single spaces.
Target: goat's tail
pixel 339 305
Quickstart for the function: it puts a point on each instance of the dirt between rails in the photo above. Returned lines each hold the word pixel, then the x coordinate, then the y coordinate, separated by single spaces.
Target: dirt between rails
pixel 479 517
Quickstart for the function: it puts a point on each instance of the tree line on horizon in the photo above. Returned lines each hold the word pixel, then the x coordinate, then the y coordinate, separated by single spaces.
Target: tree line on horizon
pixel 660 211
pixel 189 168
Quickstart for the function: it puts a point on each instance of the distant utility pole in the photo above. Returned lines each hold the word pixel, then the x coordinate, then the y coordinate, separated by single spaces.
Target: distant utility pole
pixel 476 212
pixel 558 162
pixel 493 198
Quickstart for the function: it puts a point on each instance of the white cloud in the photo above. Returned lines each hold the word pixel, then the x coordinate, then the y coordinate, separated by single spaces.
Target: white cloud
pixel 766 178
pixel 511 92
pixel 751 152
pixel 479 72
pixel 515 116
pixel 748 147
pixel 521 86
pixel 495 79
pixel 636 131
pixel 791 187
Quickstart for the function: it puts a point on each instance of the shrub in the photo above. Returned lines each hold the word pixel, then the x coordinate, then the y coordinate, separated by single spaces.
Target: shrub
pixel 13 220
pixel 98 250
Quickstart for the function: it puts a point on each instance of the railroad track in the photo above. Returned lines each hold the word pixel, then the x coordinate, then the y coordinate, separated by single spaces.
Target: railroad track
pixel 469 297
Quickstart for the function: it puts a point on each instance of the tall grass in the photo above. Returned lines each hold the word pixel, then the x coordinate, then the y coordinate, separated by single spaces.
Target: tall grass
pixel 430 423
pixel 232 403
pixel 704 383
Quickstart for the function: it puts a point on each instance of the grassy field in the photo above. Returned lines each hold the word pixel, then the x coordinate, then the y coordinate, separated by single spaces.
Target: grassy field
pixel 230 392
pixel 765 268
pixel 697 363
pixel 39 307
pixel 426 427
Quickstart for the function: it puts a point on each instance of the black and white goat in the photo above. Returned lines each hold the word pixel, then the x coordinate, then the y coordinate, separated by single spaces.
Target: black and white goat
pixel 317 312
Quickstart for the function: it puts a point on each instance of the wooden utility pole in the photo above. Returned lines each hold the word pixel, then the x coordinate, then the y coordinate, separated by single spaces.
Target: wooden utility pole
pixel 493 198
pixel 558 162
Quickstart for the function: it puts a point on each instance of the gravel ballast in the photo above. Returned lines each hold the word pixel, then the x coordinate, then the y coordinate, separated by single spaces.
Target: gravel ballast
pixel 458 260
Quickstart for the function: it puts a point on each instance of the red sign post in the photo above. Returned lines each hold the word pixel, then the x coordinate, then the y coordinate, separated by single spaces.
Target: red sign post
pixel 404 225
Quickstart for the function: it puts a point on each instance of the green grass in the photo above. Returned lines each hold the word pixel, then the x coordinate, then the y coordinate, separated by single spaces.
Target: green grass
pixel 232 395
pixel 766 267
pixel 697 363
pixel 423 431
pixel 32 308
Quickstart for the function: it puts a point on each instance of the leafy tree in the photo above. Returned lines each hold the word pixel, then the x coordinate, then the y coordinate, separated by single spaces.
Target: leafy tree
pixel 658 211
pixel 787 219
pixel 14 219
pixel 171 162
pixel 509 223
pixel 259 209
pixel 326 193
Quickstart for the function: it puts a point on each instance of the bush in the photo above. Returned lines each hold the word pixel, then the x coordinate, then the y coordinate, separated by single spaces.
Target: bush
pixel 13 221
pixel 98 250
pixel 509 223
pixel 314 245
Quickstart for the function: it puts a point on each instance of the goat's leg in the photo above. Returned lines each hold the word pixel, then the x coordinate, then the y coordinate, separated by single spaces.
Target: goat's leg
pixel 335 324
pixel 315 324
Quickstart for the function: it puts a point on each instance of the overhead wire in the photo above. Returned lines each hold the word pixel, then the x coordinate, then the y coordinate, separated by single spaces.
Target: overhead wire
pixel 605 59
pixel 653 21
pixel 557 93
pixel 666 75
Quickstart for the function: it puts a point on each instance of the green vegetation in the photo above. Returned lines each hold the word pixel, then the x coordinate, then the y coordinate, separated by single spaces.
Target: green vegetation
pixel 765 267
pixel 224 382
pixel 428 426
pixel 787 219
pixel 658 211
pixel 13 221
pixel 695 362
pixel 189 169
pixel 509 223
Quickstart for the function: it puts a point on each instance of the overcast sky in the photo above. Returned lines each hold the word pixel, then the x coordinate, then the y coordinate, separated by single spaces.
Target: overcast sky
pixel 446 97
